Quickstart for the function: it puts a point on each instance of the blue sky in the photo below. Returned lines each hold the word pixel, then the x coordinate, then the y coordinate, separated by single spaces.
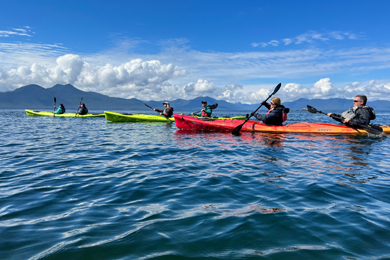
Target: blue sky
pixel 232 50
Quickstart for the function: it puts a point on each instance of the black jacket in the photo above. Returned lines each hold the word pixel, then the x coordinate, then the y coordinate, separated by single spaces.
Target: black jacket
pixel 83 110
pixel 168 112
pixel 274 117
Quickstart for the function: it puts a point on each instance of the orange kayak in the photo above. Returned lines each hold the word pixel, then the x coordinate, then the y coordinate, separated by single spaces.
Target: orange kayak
pixel 227 125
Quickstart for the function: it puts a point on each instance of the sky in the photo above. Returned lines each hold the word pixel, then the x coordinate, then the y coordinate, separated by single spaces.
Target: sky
pixel 236 51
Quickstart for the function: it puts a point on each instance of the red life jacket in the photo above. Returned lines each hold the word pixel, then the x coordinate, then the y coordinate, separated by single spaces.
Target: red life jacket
pixel 204 114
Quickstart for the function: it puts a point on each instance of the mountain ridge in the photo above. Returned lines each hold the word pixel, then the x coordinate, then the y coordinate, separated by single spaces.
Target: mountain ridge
pixel 36 97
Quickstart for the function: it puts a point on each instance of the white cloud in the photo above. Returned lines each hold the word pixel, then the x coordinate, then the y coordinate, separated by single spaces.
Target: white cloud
pixel 309 37
pixel 135 75
pixel 24 31
pixel 179 72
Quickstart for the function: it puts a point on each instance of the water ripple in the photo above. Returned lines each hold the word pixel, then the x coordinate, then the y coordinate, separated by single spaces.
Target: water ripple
pixel 78 188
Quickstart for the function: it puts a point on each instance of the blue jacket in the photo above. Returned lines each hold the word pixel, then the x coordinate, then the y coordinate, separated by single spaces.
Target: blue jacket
pixel 59 110
pixel 207 111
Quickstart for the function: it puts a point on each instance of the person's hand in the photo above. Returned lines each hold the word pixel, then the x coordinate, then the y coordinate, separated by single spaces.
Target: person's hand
pixel 330 114
pixel 154 109
pixel 192 113
pixel 264 103
pixel 253 113
pixel 346 120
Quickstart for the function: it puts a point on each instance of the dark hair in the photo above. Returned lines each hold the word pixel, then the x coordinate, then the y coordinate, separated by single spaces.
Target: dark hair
pixel 363 98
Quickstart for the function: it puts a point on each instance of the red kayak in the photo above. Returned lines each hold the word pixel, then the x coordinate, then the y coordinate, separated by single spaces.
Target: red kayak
pixel 227 125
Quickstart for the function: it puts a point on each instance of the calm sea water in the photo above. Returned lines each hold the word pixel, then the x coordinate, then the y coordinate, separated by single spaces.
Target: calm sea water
pixel 84 188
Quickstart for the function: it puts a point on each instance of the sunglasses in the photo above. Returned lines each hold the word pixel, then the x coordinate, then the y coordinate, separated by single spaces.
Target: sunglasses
pixel 356 101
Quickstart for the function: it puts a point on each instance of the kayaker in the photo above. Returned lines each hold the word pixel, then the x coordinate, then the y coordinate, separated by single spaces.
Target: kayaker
pixel 83 110
pixel 276 113
pixel 206 110
pixel 360 113
pixel 60 109
pixel 168 110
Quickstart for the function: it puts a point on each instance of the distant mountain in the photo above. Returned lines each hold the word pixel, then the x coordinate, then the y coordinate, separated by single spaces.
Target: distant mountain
pixel 37 97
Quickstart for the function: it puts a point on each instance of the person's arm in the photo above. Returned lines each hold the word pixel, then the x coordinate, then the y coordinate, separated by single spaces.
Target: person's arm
pixel 264 103
pixel 158 110
pixel 260 117
pixel 336 117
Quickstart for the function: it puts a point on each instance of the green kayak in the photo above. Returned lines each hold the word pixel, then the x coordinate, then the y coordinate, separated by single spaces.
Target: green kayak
pixel 118 117
pixel 47 113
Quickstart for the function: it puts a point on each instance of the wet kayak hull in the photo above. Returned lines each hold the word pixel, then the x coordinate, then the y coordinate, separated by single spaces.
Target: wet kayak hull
pixel 30 112
pixel 227 125
pixel 119 117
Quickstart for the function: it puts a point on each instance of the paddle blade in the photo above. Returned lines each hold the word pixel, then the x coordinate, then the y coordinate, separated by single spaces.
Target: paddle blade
pixel 237 129
pixel 311 109
pixel 375 130
pixel 277 88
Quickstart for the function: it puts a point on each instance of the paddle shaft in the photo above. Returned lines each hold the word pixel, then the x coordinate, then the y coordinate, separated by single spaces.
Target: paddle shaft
pixel 77 112
pixel 237 129
pixel 55 101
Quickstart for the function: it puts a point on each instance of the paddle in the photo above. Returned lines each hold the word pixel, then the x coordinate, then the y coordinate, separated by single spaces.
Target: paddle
pixel 157 112
pixel 78 107
pixel 237 129
pixel 368 128
pixel 55 100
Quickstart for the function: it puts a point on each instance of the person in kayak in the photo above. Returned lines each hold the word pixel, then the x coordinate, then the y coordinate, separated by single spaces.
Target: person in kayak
pixel 60 109
pixel 206 110
pixel 360 113
pixel 168 110
pixel 82 109
pixel 276 113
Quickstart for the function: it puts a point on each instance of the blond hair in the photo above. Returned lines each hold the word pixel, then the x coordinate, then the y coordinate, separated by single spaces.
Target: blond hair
pixel 276 101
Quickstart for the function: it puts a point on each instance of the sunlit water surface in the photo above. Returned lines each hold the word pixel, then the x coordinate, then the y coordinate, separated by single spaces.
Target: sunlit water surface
pixel 74 188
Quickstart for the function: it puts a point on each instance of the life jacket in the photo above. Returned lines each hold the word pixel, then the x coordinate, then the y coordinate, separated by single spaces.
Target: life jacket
pixel 351 113
pixel 204 114
pixel 284 113
pixel 211 108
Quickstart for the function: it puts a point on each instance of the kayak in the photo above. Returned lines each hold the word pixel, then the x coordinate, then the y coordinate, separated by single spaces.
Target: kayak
pixel 47 113
pixel 227 125
pixel 118 117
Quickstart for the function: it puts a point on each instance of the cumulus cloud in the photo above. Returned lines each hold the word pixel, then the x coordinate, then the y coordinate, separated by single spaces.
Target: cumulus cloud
pixel 136 76
pixel 179 72
pixel 323 89
pixel 309 37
